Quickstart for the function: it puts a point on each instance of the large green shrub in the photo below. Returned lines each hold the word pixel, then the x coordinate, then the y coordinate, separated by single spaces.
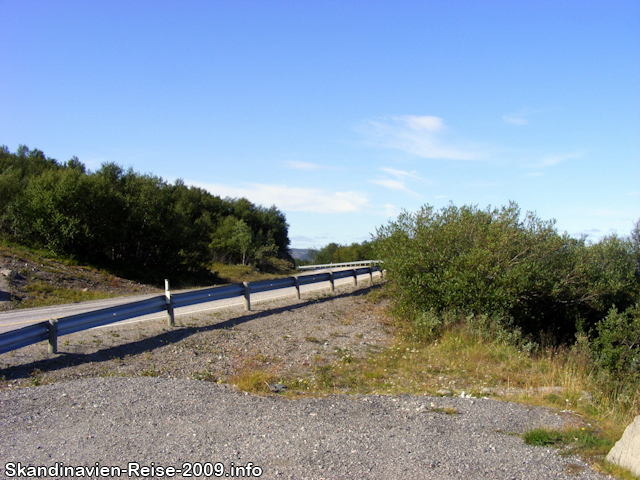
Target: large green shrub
pixel 616 348
pixel 509 266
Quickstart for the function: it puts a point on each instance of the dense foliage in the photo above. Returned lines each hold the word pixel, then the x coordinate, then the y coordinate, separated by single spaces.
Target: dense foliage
pixel 334 253
pixel 123 217
pixel 519 271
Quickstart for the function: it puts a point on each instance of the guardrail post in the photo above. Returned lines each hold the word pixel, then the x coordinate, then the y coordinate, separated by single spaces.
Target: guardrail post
pixel 332 285
pixel 247 297
pixel 370 275
pixel 355 277
pixel 53 335
pixel 383 272
pixel 297 280
pixel 171 319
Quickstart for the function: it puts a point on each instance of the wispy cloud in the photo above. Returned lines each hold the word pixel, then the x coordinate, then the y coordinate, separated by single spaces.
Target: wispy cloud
pixel 390 183
pixel 401 173
pixel 391 210
pixel 303 165
pixel 519 118
pixel 423 136
pixel 515 120
pixel 551 160
pixel 399 182
pixel 302 239
pixel 293 199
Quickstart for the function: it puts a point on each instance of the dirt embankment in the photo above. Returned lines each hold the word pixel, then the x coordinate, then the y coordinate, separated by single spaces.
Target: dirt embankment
pixel 29 280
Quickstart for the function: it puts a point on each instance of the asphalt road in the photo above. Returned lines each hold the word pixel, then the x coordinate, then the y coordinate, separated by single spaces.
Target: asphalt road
pixel 19 318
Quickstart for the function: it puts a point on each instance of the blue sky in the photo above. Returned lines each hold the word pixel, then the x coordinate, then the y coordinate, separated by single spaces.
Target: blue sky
pixel 341 113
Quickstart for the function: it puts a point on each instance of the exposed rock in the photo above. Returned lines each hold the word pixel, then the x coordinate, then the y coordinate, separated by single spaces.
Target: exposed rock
pixel 277 387
pixel 585 397
pixel 444 393
pixel 550 390
pixel 626 452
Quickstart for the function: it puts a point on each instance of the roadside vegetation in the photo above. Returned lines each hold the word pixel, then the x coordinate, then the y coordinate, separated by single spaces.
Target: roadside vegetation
pixel 37 278
pixel 520 281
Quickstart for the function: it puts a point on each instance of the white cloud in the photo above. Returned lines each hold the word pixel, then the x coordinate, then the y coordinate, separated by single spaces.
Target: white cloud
pixel 432 124
pixel 303 165
pixel 392 184
pixel 400 173
pixel 519 118
pixel 399 182
pixel 515 119
pixel 391 210
pixel 420 136
pixel 292 199
pixel 302 239
pixel 551 160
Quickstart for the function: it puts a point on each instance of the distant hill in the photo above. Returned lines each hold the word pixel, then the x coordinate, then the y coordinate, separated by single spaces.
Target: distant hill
pixel 301 253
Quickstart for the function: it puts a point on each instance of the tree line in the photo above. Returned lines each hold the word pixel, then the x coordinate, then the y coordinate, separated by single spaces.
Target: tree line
pixel 336 253
pixel 124 218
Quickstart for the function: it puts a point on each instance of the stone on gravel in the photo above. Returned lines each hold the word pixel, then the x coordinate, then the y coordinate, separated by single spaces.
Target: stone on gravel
pixel 277 387
pixel 626 452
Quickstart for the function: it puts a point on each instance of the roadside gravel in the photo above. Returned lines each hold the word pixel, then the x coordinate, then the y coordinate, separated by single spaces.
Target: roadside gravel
pixel 130 393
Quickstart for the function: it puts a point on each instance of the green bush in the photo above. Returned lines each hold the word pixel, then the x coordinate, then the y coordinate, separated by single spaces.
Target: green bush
pixel 518 271
pixel 616 348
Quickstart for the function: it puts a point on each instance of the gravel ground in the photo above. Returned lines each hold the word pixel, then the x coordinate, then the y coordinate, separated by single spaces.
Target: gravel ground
pixel 129 394
pixel 168 422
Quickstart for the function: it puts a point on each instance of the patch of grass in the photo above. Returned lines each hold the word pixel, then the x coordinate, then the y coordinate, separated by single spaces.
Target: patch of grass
pixel 448 410
pixel 36 377
pixel 243 273
pixel 590 443
pixel 542 437
pixel 43 294
pixel 253 381
pixel 205 376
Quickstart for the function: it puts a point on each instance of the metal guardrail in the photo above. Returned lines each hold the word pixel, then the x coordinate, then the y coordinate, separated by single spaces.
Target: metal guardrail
pixel 50 330
pixel 338 265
